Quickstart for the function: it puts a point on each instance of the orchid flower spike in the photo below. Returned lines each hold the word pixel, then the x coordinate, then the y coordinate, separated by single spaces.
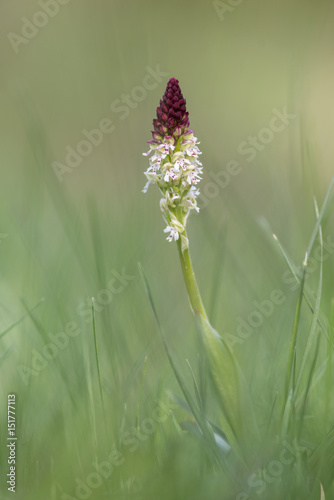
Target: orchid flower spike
pixel 173 162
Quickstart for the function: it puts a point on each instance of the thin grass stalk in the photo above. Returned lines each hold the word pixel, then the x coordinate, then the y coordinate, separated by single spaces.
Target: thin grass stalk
pixel 293 341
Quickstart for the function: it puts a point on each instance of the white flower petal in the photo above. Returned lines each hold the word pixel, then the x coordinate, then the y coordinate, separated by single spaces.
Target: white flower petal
pixel 146 187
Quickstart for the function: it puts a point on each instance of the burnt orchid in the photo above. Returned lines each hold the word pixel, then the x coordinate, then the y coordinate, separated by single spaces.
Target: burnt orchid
pixel 175 168
pixel 174 164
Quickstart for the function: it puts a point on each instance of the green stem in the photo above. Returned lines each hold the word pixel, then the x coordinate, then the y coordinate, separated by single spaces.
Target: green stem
pixel 223 367
pixel 190 280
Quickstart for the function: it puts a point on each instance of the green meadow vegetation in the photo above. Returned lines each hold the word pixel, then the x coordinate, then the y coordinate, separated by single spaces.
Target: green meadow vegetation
pixel 117 390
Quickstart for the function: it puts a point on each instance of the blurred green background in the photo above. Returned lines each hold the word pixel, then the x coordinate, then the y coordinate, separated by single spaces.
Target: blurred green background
pixel 65 237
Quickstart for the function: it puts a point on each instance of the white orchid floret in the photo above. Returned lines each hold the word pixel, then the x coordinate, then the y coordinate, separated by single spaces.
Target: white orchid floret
pixel 152 171
pixel 193 151
pixel 164 149
pixel 155 160
pixel 170 174
pixel 189 201
pixel 194 191
pixel 174 228
pixel 174 234
pixel 175 168
pixel 150 176
pixel 188 204
pixel 182 163
pixel 146 187
pixel 193 178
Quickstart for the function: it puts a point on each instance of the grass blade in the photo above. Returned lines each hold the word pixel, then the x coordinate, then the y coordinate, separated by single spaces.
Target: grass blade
pixel 302 412
pixel 97 353
pixel 293 340
pixel 196 389
pixel 319 219
pixel 313 329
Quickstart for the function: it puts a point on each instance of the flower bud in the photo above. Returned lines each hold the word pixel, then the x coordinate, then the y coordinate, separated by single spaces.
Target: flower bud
pixel 172 117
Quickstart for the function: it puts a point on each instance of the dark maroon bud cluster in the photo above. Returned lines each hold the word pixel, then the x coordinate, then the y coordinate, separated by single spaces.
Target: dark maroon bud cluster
pixel 172 116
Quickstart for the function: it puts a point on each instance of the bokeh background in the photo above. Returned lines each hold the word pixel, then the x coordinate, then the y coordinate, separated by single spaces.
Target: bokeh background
pixel 65 236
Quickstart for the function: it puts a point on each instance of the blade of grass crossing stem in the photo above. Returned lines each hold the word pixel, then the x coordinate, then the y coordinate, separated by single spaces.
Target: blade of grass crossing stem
pixel 313 329
pixel 182 383
pixel 293 340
